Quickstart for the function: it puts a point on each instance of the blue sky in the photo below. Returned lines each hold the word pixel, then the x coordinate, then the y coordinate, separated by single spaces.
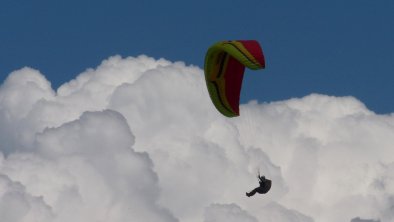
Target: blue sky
pixel 333 47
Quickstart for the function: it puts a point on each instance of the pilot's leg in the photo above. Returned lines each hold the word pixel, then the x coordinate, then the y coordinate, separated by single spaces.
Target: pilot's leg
pixel 251 193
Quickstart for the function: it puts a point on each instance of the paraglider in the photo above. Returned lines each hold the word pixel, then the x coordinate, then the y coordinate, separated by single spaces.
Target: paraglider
pixel 224 67
pixel 265 186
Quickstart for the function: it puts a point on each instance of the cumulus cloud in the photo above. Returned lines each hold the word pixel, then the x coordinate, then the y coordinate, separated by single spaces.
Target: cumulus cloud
pixel 18 205
pixel 137 139
pixel 357 219
pixel 227 212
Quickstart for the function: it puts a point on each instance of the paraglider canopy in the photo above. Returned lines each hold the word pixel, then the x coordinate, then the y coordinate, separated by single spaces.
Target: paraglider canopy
pixel 224 67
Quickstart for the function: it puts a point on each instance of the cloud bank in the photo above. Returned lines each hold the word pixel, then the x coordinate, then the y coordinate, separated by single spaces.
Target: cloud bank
pixel 137 139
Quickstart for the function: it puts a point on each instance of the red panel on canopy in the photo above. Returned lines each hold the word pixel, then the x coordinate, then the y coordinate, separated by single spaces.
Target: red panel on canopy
pixel 254 48
pixel 233 81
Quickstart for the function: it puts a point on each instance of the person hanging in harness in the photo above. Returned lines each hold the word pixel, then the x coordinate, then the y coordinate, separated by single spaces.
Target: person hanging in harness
pixel 265 186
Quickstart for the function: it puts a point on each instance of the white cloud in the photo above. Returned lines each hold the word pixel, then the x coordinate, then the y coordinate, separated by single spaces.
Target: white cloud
pixel 86 170
pixel 357 219
pixel 138 139
pixel 227 212
pixel 18 205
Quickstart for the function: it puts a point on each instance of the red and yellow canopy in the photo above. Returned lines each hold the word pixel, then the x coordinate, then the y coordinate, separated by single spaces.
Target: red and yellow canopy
pixel 225 64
